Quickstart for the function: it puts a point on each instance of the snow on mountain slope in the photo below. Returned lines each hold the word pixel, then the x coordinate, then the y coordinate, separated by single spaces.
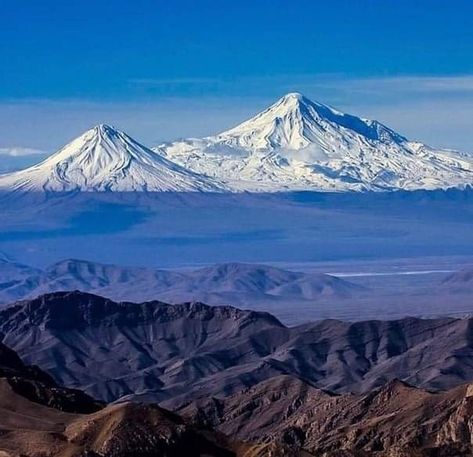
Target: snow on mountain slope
pixel 105 159
pixel 297 144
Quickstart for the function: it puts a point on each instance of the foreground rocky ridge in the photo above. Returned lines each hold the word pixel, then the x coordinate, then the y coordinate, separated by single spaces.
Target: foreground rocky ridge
pixel 396 420
pixel 277 413
pixel 38 386
pixel 282 416
pixel 38 418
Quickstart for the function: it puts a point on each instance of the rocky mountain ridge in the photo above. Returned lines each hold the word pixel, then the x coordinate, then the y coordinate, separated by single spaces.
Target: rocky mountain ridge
pixel 173 354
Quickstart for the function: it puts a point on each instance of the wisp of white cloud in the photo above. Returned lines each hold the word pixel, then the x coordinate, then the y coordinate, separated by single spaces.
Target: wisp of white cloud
pixel 18 151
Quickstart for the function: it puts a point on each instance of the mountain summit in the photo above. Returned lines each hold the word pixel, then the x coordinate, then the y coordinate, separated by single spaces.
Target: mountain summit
pixel 295 122
pixel 298 144
pixel 104 158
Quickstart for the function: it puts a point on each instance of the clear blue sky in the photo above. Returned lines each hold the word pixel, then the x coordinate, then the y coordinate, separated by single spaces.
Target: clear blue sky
pixel 232 56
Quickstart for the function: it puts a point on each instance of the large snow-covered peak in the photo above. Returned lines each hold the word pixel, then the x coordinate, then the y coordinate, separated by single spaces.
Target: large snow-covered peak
pixel 299 144
pixel 295 122
pixel 104 158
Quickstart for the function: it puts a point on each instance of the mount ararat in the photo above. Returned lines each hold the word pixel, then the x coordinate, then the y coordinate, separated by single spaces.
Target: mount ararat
pixel 295 144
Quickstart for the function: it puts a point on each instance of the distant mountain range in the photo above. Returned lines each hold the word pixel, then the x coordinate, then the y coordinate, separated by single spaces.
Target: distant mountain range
pixel 295 144
pixel 174 354
pixel 232 283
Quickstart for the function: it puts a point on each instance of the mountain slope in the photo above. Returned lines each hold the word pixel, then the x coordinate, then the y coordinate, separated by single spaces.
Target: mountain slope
pixel 297 144
pixel 460 280
pixel 177 353
pixel 105 159
pixel 31 429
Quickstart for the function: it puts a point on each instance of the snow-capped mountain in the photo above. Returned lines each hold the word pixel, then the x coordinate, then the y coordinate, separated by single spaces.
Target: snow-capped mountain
pixel 295 144
pixel 103 159
pixel 298 144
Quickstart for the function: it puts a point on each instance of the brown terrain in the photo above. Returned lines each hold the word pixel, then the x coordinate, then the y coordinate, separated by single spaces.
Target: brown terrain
pixel 280 417
pixel 123 430
pixel 240 383
pixel 40 419
pixel 396 420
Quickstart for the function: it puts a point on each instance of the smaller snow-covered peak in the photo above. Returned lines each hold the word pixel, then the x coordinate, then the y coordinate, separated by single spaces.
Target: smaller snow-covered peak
pixel 102 159
pixel 293 96
pixel 99 148
pixel 102 131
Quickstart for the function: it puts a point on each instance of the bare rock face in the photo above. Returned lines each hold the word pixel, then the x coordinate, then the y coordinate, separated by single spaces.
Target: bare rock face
pixel 459 426
pixel 145 430
pixel 31 429
pixel 396 420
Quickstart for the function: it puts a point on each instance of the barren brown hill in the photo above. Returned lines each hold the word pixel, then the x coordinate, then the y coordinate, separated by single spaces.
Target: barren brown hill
pixel 396 420
pixel 29 429
pixel 286 416
pixel 40 419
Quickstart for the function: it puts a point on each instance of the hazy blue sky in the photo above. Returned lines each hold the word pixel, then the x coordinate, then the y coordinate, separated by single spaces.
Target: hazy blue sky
pixel 166 69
